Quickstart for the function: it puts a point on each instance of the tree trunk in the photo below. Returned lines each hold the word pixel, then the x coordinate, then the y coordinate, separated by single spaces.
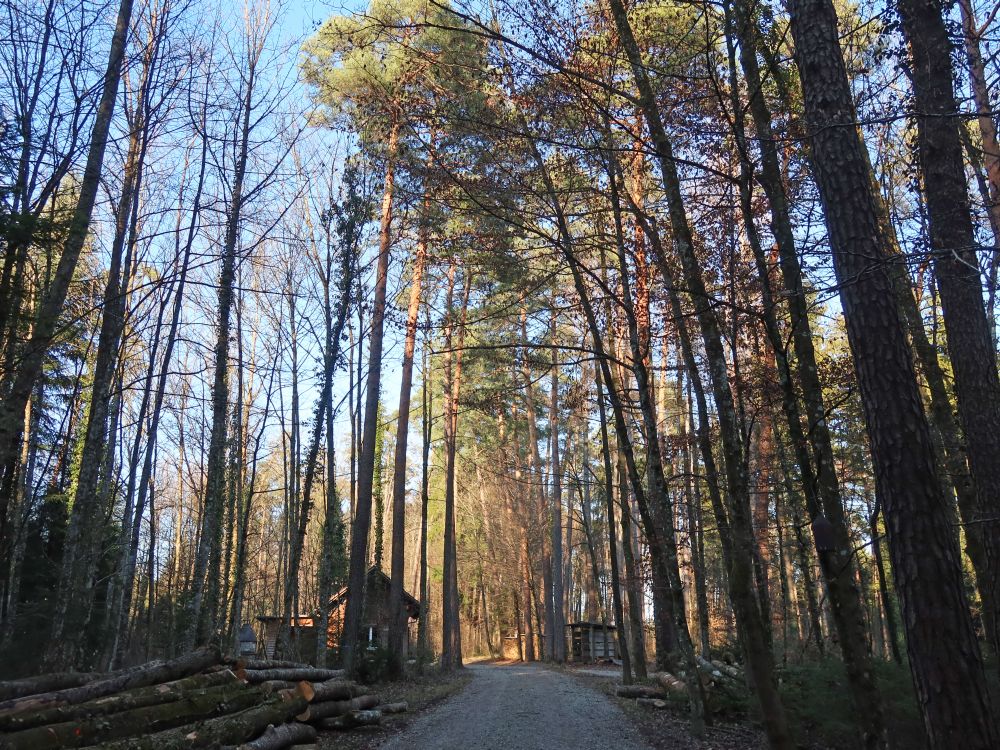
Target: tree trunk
pixel 451 627
pixel 205 584
pixel 609 503
pixel 152 695
pixel 668 592
pixel 820 486
pixel 952 237
pixel 888 608
pixel 358 565
pixel 685 412
pixel 126 679
pixel 558 621
pixel 292 674
pixel 231 729
pixel 45 325
pixel 760 661
pixel 397 616
pixel 324 407
pixel 943 648
pixel 281 736
pixel 972 36
pixel 422 625
pixel 319 710
pixel 192 705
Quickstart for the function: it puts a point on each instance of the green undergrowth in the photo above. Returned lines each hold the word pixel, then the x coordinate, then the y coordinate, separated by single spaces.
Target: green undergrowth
pixel 818 702
pixel 822 714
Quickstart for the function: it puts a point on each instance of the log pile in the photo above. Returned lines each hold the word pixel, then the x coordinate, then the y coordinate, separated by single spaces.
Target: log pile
pixel 194 701
pixel 714 675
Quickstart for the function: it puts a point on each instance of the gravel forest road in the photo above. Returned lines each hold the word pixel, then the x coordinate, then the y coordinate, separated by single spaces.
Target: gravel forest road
pixel 521 707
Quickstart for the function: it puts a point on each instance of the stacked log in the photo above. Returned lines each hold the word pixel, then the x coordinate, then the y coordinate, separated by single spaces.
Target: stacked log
pixel 714 676
pixel 670 683
pixel 125 679
pixel 341 705
pixel 728 670
pixel 193 701
pixel 293 674
pixel 639 691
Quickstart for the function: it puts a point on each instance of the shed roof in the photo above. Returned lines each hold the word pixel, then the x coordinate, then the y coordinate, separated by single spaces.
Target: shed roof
pixel 589 624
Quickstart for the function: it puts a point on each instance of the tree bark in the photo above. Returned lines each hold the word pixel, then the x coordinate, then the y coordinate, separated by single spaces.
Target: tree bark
pixel 609 504
pixel 281 736
pixel 45 325
pixel 451 628
pixel 126 679
pixel 164 692
pixel 397 616
pixel 358 565
pixel 231 729
pixel 558 621
pixel 944 655
pixel 191 705
pixel 952 237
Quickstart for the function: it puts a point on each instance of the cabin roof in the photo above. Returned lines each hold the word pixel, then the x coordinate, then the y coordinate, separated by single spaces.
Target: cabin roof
pixel 589 624
pixel 268 618
pixel 376 574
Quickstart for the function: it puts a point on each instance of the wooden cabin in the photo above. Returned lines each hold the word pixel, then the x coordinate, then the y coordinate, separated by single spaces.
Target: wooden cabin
pixel 590 641
pixel 374 624
pixel 375 618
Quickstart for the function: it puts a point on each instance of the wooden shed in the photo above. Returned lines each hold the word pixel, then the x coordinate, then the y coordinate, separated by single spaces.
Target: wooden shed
pixel 302 635
pixel 590 641
pixel 375 620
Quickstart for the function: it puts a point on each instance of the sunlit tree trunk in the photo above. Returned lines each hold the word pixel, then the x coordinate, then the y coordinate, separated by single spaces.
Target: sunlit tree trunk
pixel 557 623
pixel 624 652
pixel 361 526
pixel 944 656
pixel 427 410
pixel 205 581
pixel 397 617
pixel 451 630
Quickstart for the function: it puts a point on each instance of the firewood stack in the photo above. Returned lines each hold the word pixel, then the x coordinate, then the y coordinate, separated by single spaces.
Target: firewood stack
pixel 194 701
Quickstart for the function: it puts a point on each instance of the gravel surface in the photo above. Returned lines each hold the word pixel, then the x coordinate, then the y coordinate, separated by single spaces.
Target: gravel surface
pixel 521 707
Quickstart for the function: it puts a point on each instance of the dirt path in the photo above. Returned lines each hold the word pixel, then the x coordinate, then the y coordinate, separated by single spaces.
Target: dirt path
pixel 521 707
